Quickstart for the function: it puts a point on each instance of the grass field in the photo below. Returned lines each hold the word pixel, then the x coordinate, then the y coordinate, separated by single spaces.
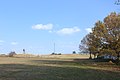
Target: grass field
pixel 57 67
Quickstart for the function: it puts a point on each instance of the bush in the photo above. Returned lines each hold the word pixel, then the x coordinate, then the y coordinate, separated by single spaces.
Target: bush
pixel 11 54
pixel 56 54
pixel 74 52
pixel 59 54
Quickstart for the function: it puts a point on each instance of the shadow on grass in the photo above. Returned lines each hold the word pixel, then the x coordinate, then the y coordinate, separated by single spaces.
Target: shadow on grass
pixel 37 72
pixel 74 62
pixel 80 63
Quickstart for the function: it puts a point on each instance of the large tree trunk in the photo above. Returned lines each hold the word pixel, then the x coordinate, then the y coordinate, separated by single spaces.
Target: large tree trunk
pixel 90 56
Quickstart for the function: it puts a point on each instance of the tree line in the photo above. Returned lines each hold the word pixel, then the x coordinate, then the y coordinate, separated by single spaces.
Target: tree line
pixel 104 38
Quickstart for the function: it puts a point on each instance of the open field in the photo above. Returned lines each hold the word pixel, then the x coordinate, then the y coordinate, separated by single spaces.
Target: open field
pixel 64 56
pixel 57 67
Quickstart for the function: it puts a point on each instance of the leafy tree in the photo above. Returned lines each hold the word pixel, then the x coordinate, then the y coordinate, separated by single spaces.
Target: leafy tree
pixel 105 37
pixel 74 52
pixel 23 51
pixel 112 23
pixel 87 44
pixel 108 32
pixel 117 2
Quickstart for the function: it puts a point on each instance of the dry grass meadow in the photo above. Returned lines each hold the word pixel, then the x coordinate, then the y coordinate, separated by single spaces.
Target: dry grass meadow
pixel 56 67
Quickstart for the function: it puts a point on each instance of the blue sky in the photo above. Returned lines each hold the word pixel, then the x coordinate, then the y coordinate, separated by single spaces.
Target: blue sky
pixel 35 25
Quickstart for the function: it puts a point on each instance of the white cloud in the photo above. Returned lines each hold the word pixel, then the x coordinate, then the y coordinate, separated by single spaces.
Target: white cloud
pixel 14 43
pixel 67 31
pixel 43 26
pixel 89 30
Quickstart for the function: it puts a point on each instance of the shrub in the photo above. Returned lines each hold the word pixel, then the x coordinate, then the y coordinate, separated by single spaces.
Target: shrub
pixel 11 54
pixel 59 54
pixel 74 52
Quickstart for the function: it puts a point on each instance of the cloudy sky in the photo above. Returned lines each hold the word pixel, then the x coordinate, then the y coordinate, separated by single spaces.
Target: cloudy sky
pixel 35 25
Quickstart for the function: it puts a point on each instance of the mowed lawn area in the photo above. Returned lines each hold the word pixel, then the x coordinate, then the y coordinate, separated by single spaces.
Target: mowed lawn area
pixel 57 68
